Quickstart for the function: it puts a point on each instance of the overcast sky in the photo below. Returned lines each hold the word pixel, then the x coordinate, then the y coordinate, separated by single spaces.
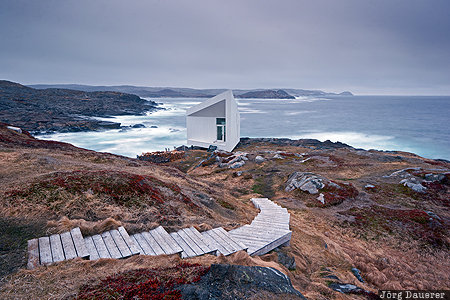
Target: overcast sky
pixel 367 47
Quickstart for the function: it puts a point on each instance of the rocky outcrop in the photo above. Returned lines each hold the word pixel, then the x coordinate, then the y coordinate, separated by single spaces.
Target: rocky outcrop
pixel 239 282
pixel 331 193
pixel 305 181
pixel 63 110
pixel 233 160
pixel 413 184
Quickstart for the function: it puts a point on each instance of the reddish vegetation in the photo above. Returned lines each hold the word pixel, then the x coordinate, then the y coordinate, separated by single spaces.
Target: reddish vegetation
pixel 334 195
pixel 418 223
pixel 162 156
pixel 145 283
pixel 123 188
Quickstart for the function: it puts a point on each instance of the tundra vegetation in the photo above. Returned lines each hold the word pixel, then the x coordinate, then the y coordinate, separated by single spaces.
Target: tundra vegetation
pixel 363 220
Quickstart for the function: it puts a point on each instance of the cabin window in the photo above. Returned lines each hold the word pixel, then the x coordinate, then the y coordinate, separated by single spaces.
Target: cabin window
pixel 220 123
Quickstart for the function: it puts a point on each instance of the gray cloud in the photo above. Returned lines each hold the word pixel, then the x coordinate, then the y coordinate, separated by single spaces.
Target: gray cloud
pixel 381 46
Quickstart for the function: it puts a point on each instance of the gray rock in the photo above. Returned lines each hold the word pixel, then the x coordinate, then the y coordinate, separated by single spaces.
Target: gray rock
pixel 357 274
pixel 238 282
pixel 305 181
pixel 433 215
pixel 345 288
pixel 237 164
pixel 259 159
pixel 153 126
pixel 286 260
pixel 369 186
pixel 413 184
pixel 278 156
pixel 138 126
pixel 434 177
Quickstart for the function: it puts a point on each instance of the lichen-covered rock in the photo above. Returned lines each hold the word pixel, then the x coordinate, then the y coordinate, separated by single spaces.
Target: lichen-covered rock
pixel 305 181
pixel 239 282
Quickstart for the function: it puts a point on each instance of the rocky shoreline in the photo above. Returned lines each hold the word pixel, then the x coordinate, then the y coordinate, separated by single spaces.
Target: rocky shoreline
pixel 63 110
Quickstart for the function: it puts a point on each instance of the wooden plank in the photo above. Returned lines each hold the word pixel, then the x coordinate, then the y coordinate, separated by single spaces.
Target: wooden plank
pixel 161 242
pixel 152 242
pixel 33 253
pixel 144 244
pixel 57 248
pixel 120 243
pixel 198 241
pixel 191 243
pixel 110 245
pixel 93 253
pixel 261 230
pixel 187 251
pixel 130 243
pixel 68 246
pixel 100 246
pixel 217 244
pixel 246 238
pixel 168 238
pixel 257 236
pixel 225 234
pixel 262 223
pixel 206 239
pixel 141 251
pixel 222 242
pixel 78 241
pixel 235 247
pixel 45 251
pixel 284 239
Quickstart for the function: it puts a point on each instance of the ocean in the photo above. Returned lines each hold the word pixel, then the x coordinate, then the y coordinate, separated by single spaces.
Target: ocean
pixel 415 124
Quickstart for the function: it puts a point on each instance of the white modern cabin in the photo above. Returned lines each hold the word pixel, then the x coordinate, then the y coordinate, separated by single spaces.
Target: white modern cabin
pixel 214 122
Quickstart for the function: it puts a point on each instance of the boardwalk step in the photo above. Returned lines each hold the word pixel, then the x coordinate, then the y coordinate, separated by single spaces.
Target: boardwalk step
pixel 57 247
pixel 223 241
pixel 156 242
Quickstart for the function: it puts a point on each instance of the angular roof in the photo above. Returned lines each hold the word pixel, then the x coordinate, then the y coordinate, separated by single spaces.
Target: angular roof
pixel 227 96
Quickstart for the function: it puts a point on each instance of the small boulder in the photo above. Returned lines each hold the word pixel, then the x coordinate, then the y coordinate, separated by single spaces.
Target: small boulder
pixel 237 164
pixel 278 156
pixel 259 159
pixel 138 126
pixel 413 184
pixel 345 288
pixel 357 274
pixel 285 259
pixel 321 198
pixel 305 181
pixel 434 177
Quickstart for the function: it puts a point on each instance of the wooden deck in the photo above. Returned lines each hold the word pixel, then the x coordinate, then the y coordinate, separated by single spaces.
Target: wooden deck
pixel 268 230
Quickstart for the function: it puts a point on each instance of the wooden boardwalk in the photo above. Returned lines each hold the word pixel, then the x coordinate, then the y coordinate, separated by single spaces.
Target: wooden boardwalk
pixel 268 230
